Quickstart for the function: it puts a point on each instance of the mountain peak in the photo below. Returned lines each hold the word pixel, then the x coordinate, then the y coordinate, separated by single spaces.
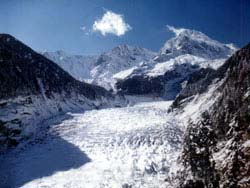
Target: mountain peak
pixel 4 36
pixel 180 32
pixel 127 49
pixel 187 41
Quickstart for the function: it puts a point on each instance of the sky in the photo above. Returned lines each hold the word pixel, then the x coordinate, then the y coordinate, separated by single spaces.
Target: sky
pixel 94 26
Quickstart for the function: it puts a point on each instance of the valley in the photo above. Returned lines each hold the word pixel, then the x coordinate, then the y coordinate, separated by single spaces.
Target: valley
pixel 127 118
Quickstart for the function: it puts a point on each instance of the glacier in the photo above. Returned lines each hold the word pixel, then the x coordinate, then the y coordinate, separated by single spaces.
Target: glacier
pixel 129 141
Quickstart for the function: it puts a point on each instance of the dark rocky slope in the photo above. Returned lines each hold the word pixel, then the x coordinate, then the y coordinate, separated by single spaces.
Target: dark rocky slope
pixel 33 88
pixel 217 148
pixel 166 86
pixel 24 71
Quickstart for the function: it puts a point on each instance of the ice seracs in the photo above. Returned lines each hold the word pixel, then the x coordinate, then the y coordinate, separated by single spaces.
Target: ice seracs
pixel 134 146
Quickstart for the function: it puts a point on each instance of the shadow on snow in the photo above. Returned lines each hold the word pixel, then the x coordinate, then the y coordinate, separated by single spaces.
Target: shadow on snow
pixel 39 160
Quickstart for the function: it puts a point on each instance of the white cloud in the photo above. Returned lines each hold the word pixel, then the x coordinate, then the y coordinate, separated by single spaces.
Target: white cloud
pixel 175 30
pixel 111 23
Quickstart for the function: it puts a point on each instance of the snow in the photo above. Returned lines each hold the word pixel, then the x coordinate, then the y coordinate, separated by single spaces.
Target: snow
pixel 77 66
pixel 123 74
pixel 187 41
pixel 137 146
pixel 100 70
pixel 189 60
pixel 40 84
pixel 247 94
pixel 187 47
pixel 246 144
pixel 134 146
pixel 199 104
pixel 161 68
pixel 25 113
pixel 224 154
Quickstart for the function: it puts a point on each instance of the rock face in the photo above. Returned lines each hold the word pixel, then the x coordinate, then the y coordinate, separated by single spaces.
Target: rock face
pixel 198 82
pixel 167 85
pixel 217 148
pixel 33 88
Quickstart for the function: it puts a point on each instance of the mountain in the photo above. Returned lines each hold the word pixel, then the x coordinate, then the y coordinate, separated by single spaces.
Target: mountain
pixel 216 144
pixel 76 65
pixel 187 52
pixel 207 125
pixel 100 70
pixel 195 43
pixel 138 71
pixel 33 88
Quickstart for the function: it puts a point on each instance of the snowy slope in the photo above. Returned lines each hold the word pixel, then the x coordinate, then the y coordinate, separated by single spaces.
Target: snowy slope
pixel 118 59
pixel 215 148
pixel 189 47
pixel 78 66
pixel 99 70
pixel 33 88
pixel 196 43
pixel 187 52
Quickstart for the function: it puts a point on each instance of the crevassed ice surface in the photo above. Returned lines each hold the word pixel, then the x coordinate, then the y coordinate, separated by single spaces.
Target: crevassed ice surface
pixel 133 146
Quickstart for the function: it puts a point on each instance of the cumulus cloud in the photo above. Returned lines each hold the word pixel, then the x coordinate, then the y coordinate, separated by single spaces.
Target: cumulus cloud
pixel 111 23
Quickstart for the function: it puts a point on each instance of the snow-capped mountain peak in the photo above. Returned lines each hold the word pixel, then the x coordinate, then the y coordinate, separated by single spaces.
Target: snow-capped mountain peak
pixel 101 69
pixel 187 41
pixel 130 52
pixel 120 58
pixel 59 54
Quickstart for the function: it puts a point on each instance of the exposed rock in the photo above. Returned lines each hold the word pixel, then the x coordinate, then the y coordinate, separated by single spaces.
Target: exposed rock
pixel 216 149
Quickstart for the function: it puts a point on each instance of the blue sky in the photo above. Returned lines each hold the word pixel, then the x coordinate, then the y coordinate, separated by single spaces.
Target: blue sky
pixel 56 24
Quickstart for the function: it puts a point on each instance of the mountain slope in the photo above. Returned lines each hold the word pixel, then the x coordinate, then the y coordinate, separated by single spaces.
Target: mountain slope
pixel 33 88
pixel 216 147
pixel 193 42
pixel 76 65
pixel 187 52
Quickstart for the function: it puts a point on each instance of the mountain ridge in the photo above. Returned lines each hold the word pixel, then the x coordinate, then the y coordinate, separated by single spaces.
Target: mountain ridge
pixel 100 69
pixel 169 71
pixel 112 68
